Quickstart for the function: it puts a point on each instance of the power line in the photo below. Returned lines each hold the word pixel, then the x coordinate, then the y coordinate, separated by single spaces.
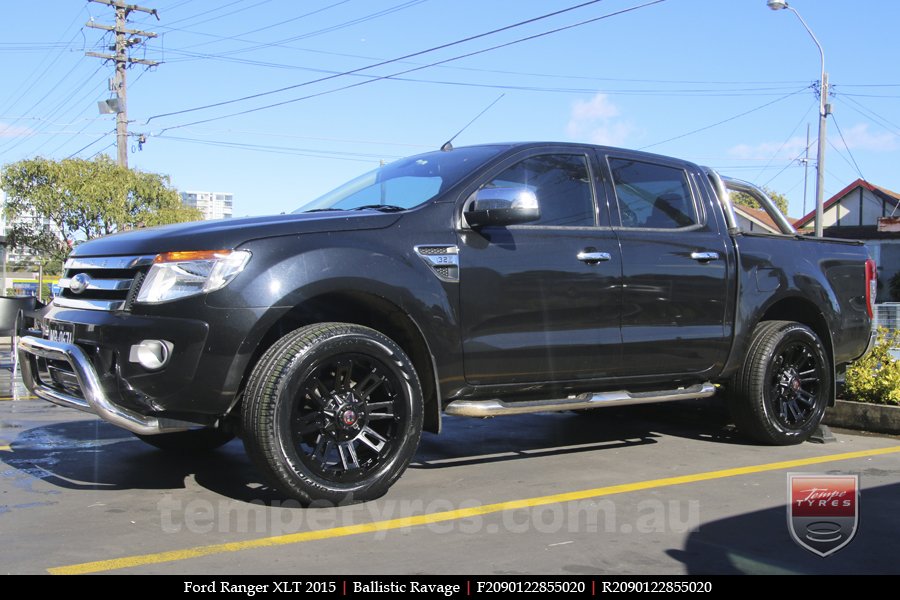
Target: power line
pixel 303 36
pixel 80 150
pixel 841 133
pixel 873 116
pixel 705 92
pixel 378 64
pixel 790 163
pixel 788 138
pixel 286 150
pixel 104 149
pixel 380 78
pixel 723 121
pixel 14 142
pixel 206 12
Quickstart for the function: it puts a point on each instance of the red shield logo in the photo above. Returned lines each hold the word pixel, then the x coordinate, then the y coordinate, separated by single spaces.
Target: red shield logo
pixel 823 511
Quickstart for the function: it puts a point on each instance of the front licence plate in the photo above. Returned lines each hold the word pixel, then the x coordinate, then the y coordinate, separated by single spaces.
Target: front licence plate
pixel 58 331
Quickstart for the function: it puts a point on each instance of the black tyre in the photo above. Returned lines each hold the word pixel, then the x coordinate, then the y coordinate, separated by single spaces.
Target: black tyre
pixel 780 394
pixel 194 440
pixel 333 413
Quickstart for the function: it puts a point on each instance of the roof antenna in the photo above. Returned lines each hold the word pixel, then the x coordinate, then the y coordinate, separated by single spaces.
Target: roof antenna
pixel 448 145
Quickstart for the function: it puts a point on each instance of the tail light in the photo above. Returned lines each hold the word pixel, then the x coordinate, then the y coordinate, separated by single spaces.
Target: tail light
pixel 871 287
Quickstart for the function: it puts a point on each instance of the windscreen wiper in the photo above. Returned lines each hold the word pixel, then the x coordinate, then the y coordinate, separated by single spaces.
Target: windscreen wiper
pixel 381 207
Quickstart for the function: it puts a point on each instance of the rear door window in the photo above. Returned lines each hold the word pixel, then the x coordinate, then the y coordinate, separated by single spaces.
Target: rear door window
pixel 653 196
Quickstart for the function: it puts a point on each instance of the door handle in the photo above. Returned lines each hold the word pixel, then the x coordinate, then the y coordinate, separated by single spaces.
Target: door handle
pixel 705 256
pixel 592 257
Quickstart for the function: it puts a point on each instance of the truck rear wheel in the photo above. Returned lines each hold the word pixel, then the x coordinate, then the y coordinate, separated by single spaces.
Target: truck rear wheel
pixel 780 393
pixel 333 412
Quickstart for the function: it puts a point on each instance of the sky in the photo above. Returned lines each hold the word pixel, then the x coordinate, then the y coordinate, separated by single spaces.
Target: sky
pixel 729 84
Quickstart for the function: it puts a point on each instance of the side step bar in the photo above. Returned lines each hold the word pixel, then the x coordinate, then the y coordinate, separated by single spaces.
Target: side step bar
pixel 495 408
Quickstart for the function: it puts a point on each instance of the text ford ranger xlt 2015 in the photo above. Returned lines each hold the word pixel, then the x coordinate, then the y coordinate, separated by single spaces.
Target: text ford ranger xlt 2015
pixel 480 281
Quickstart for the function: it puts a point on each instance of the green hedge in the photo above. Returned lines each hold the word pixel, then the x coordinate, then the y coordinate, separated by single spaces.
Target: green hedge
pixel 875 378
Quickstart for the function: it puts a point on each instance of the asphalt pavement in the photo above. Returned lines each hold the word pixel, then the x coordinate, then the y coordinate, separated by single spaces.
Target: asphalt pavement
pixel 667 489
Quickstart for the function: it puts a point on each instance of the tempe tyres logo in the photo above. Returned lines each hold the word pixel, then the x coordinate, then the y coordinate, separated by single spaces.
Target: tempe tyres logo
pixel 823 513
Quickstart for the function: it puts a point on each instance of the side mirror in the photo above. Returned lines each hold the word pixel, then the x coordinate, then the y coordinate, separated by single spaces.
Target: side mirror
pixel 503 206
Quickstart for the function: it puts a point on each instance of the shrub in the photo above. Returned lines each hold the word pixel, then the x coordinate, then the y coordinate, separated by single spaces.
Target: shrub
pixel 875 378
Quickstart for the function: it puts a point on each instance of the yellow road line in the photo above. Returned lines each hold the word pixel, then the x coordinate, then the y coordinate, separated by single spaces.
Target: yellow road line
pixel 449 515
pixel 8 398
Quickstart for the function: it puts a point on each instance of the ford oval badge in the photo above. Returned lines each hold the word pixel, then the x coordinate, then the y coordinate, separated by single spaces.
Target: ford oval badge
pixel 79 283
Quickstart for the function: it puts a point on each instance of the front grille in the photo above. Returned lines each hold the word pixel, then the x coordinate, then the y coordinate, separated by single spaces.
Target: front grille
pixel 102 283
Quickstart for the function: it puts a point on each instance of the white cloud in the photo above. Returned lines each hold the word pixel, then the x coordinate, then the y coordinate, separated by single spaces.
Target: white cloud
pixel 858 137
pixel 595 121
pixel 11 131
pixel 791 149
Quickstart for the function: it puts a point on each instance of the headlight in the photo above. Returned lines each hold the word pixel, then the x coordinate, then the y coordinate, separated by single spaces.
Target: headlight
pixel 177 275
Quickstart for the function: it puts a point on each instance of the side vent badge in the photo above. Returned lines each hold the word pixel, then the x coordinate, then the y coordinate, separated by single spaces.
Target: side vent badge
pixel 443 260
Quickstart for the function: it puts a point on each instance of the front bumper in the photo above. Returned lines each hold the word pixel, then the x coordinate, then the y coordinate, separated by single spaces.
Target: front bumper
pixel 93 398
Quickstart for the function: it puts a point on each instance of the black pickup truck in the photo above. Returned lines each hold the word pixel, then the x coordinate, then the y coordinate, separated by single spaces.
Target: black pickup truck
pixel 480 281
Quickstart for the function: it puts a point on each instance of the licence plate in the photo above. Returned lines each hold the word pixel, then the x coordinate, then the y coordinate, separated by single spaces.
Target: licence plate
pixel 58 331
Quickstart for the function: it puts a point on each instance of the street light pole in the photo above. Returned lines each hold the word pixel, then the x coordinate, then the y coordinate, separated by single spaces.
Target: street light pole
pixel 824 109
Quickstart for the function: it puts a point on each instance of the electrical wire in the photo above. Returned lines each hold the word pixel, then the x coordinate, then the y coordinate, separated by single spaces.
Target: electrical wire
pixel 705 92
pixel 792 161
pixel 311 153
pixel 790 135
pixel 873 116
pixel 82 149
pixel 380 78
pixel 303 36
pixel 723 121
pixel 841 133
pixel 378 64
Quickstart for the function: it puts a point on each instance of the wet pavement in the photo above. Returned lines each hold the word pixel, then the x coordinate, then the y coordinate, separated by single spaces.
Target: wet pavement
pixel 665 489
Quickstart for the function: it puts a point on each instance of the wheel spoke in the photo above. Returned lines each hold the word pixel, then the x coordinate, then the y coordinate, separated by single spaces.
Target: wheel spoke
pixel 368 385
pixel 805 398
pixel 342 372
pixel 319 393
pixel 793 357
pixel 308 423
pixel 321 450
pixel 348 456
pixel 380 405
pixel 791 407
pixel 380 416
pixel 376 443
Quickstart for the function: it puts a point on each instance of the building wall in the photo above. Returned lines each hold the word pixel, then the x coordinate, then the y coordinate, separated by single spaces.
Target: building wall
pixel 746 224
pixel 21 255
pixel 847 210
pixel 213 205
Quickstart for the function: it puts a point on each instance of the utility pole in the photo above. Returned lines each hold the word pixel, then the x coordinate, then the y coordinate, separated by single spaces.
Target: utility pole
pixel 805 161
pixel 125 39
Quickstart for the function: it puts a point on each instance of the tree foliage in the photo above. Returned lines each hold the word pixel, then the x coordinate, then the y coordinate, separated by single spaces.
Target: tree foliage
pixel 84 199
pixel 875 378
pixel 746 200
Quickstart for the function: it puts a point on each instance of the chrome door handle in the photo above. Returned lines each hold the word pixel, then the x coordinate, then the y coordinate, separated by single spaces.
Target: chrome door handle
pixel 705 256
pixel 592 257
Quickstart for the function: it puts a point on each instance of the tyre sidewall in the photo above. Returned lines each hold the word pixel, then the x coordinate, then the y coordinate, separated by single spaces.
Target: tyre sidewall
pixel 793 333
pixel 298 371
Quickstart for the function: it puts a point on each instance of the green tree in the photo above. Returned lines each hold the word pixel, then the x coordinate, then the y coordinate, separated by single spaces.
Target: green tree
pixel 746 200
pixel 84 199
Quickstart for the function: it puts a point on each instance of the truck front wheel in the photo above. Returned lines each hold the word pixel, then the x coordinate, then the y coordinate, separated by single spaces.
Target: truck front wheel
pixel 333 412
pixel 780 393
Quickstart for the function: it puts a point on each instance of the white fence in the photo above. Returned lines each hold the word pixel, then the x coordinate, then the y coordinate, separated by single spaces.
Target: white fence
pixel 888 315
